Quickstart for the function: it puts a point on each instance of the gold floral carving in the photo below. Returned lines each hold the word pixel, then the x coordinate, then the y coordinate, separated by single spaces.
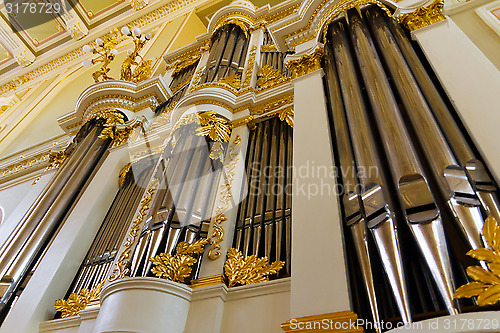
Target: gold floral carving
pixel 249 270
pixel 234 81
pixel 142 69
pixel 225 195
pixel 56 159
pixel 213 126
pixel 269 77
pixel 250 66
pixel 123 173
pixel 486 284
pixel 122 270
pixel 286 114
pixel 423 16
pixel 268 48
pixel 178 267
pixel 306 63
pixel 78 301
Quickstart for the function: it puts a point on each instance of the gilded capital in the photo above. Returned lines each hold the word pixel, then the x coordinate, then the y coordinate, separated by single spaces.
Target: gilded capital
pixel 423 16
pixel 305 63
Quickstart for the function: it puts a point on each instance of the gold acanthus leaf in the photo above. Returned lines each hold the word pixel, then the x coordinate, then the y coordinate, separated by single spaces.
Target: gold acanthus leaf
pixel 78 301
pixel 123 173
pixel 249 270
pixel 286 114
pixel 214 126
pixel 486 284
pixel 269 76
pixel 179 266
pixel 233 81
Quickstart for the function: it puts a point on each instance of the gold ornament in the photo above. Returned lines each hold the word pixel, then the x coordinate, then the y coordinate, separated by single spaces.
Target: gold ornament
pixel 249 270
pixel 423 16
pixel 178 267
pixel 250 66
pixel 213 126
pixel 217 152
pixel 286 114
pixel 143 69
pixel 124 172
pixel 306 63
pixel 487 281
pixel 78 301
pixel 268 48
pixel 270 77
pixel 56 159
pixel 234 81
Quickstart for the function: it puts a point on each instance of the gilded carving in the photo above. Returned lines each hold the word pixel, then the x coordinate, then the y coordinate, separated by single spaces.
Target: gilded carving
pixel 269 77
pixel 78 301
pixel 250 66
pixel 213 126
pixel 486 282
pixel 307 63
pixel 423 16
pixel 286 114
pixel 234 81
pixel 229 172
pixel 248 270
pixel 268 48
pixel 123 173
pixel 178 267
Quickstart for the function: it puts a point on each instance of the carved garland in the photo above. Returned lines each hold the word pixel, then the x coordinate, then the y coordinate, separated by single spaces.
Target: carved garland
pixel 229 172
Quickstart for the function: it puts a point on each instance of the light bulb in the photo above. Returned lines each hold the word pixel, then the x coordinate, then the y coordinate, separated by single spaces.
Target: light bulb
pixel 126 31
pixel 148 36
pixel 86 63
pixel 99 42
pixel 113 52
pixel 88 49
pixel 136 32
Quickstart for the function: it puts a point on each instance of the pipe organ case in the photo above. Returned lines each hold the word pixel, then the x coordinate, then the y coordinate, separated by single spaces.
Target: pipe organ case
pixel 26 245
pixel 414 187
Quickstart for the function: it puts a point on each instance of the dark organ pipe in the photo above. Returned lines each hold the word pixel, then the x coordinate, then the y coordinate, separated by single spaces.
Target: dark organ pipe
pixel 376 201
pixel 351 199
pixel 45 225
pixel 419 207
pixel 263 219
pixel 227 54
pixel 451 178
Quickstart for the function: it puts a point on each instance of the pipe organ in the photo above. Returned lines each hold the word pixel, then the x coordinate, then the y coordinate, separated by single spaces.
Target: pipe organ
pixel 26 245
pixel 263 225
pixel 227 54
pixel 414 184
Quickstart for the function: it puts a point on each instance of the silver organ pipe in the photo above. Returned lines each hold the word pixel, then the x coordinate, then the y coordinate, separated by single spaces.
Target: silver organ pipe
pixel 181 211
pixel 387 113
pixel 27 244
pixel 263 220
pixel 103 250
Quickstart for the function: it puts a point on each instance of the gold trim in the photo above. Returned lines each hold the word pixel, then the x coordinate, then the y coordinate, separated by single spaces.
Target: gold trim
pixel 423 16
pixel 78 301
pixel 123 173
pixel 241 121
pixel 207 281
pixel 250 66
pixel 268 48
pixel 342 321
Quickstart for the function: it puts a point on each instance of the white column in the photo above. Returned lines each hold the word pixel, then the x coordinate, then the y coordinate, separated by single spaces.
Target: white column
pixel 471 81
pixel 58 267
pixel 319 279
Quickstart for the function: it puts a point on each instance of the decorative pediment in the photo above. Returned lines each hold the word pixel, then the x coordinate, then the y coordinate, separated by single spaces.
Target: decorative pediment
pixel 127 97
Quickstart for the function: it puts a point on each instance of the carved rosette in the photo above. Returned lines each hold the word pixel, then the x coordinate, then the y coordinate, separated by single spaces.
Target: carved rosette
pixel 423 16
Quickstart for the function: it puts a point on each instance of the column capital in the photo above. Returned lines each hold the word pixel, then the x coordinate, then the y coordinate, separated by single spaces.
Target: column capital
pixel 305 62
pixel 423 16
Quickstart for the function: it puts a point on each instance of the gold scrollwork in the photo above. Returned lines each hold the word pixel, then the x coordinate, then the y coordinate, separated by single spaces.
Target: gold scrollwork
pixel 123 173
pixel 307 63
pixel 56 159
pixel 229 172
pixel 268 48
pixel 78 301
pixel 121 269
pixel 234 81
pixel 250 66
pixel 423 16
pixel 248 270
pixel 213 126
pixel 486 284
pixel 178 267
pixel 236 21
